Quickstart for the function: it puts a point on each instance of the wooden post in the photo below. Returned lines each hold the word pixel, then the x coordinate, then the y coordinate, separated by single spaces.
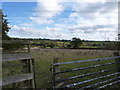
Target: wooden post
pixel 0 48
pixel 117 60
pixel 28 47
pixel 33 71
pixel 119 45
pixel 55 68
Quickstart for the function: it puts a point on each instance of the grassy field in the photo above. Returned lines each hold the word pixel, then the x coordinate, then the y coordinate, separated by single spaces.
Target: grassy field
pixel 44 58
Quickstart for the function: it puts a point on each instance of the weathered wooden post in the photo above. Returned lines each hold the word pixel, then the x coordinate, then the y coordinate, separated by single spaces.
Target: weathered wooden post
pixel 55 68
pixel 1 49
pixel 33 71
pixel 28 47
pixel 117 60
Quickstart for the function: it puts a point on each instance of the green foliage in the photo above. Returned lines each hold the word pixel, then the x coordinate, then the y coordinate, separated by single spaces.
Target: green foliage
pixel 76 42
pixel 44 44
pixel 5 27
pixel 111 45
pixel 51 44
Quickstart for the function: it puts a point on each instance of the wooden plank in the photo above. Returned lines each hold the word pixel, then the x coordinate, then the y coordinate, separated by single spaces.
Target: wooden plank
pixel 16 79
pixel 18 56
pixel 14 42
pixel 11 65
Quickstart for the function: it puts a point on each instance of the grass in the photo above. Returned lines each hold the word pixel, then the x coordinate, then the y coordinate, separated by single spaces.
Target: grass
pixel 44 59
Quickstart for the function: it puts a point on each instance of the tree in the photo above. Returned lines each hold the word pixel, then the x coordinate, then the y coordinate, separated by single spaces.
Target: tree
pixel 76 42
pixel 5 27
pixel 51 44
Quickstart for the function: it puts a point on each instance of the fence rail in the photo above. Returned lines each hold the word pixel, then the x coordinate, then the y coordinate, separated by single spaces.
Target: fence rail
pixel 16 79
pixel 18 56
pixel 59 83
pixel 15 42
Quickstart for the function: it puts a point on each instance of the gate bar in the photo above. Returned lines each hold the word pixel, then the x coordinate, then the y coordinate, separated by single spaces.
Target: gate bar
pixel 84 68
pixel 79 76
pixel 74 84
pixel 85 60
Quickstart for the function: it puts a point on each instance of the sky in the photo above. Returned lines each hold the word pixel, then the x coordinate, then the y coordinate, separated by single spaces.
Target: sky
pixel 62 19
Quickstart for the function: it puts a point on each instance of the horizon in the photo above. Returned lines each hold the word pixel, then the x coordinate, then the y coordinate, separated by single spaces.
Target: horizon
pixel 96 21
pixel 61 39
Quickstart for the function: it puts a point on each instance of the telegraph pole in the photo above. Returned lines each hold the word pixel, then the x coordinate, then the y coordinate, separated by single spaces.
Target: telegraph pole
pixel 118 25
pixel 118 21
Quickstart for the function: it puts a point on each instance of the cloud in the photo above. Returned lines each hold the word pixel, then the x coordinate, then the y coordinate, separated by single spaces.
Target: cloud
pixel 45 11
pixel 40 20
pixel 86 20
pixel 95 19
pixel 95 27
pixel 48 32
pixel 87 9
pixel 73 15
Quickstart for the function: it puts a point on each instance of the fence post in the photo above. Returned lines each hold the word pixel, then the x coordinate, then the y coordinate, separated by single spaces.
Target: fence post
pixel 117 60
pixel 28 47
pixel 33 71
pixel 55 68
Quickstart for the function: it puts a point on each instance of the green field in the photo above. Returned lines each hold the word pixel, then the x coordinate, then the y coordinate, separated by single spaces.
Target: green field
pixel 44 58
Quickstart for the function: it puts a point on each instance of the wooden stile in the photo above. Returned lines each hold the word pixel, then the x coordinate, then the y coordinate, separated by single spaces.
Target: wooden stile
pixel 28 76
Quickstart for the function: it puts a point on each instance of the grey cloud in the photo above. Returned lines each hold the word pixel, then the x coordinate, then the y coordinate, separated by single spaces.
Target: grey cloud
pixel 89 9
pixel 89 29
pixel 109 6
